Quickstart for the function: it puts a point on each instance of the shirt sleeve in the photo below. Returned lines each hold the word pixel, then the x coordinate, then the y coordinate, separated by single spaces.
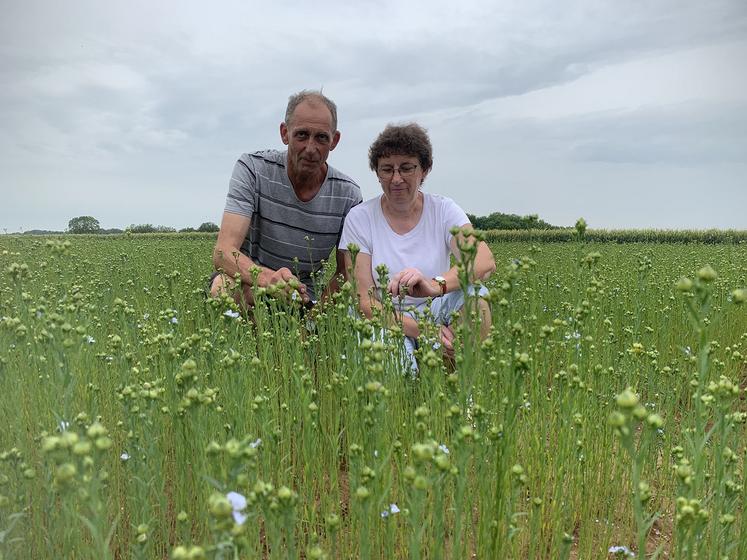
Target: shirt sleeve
pixel 242 195
pixel 356 230
pixel 453 216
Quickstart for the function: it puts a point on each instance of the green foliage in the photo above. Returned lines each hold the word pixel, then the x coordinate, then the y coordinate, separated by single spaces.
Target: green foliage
pixel 498 220
pixel 83 224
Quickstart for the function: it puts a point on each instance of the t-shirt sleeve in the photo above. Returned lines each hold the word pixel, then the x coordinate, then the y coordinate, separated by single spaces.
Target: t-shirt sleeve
pixel 242 195
pixel 453 216
pixel 356 230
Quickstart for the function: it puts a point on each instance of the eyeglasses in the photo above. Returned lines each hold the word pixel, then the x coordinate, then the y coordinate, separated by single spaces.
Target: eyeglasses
pixel 404 170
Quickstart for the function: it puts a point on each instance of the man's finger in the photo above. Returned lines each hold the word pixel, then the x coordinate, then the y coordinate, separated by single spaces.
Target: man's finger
pixel 447 335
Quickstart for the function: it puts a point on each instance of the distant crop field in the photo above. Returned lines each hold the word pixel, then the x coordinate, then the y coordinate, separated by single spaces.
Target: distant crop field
pixel 604 415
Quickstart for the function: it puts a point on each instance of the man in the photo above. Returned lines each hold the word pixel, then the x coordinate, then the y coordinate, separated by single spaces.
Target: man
pixel 285 210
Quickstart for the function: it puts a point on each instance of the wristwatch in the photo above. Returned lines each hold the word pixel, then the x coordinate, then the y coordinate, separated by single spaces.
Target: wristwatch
pixel 441 282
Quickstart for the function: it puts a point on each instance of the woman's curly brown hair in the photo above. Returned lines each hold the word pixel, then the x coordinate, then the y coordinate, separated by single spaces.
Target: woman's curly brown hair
pixel 402 140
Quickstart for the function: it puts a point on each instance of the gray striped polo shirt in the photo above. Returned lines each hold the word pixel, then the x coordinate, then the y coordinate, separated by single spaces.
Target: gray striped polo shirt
pixel 286 231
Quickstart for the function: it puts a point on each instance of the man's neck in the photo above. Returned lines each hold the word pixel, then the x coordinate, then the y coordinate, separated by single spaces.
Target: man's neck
pixel 305 186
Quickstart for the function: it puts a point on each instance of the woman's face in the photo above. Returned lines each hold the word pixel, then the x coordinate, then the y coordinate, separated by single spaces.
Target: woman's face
pixel 400 178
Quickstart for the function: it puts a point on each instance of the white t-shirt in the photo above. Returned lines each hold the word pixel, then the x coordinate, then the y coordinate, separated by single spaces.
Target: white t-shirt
pixel 425 247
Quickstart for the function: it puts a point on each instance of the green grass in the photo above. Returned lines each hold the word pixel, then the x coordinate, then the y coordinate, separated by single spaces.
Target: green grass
pixel 132 406
pixel 707 236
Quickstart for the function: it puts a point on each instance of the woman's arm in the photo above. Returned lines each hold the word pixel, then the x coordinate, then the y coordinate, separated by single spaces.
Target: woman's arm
pixel 420 286
pixel 367 288
pixel 484 264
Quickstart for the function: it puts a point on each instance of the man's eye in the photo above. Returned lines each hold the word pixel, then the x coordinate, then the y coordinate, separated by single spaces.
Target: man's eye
pixel 387 170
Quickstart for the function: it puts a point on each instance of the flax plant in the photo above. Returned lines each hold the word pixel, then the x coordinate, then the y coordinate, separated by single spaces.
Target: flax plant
pixel 274 432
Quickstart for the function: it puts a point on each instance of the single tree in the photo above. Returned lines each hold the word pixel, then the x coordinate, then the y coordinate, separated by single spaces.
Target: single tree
pixel 142 228
pixel 208 226
pixel 83 224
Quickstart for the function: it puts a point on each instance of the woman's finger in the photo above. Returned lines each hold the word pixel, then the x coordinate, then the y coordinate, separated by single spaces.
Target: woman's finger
pixel 393 286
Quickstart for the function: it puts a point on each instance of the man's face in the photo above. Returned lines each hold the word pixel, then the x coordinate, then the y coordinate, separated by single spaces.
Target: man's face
pixel 309 137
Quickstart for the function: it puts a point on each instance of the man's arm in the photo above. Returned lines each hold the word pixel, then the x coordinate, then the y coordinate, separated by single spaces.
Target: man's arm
pixel 227 255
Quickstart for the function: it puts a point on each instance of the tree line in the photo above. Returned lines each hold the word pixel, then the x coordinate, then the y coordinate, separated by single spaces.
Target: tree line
pixel 498 220
pixel 494 221
pixel 89 224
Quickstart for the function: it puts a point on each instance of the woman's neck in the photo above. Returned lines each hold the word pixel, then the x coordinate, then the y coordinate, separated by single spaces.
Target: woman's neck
pixel 402 218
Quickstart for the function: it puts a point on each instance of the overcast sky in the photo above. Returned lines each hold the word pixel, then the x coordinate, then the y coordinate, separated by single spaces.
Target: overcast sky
pixel 629 113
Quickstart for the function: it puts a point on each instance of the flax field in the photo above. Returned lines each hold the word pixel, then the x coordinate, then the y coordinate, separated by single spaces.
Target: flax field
pixel 603 416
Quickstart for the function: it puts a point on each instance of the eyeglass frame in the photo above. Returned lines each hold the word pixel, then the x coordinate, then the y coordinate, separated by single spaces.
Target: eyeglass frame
pixel 389 175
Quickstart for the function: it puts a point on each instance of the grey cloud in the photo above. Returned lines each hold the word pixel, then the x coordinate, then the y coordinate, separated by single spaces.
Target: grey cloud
pixel 120 103
pixel 686 135
pixel 427 74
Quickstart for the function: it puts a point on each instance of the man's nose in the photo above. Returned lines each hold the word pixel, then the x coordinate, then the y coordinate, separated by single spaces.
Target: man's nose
pixel 311 144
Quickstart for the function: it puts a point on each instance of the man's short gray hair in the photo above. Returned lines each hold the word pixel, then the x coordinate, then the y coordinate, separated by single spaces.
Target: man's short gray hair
pixel 311 95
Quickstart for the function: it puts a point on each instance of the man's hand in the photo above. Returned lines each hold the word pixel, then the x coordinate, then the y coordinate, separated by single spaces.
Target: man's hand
pixel 283 275
pixel 412 282
pixel 447 341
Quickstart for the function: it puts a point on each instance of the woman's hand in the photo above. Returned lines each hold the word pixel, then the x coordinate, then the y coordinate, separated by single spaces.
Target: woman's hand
pixel 411 282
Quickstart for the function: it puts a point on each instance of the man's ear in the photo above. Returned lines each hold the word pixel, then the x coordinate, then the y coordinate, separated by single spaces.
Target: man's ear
pixel 284 133
pixel 335 140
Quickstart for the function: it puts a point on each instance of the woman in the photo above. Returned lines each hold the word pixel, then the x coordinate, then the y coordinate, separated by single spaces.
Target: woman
pixel 408 230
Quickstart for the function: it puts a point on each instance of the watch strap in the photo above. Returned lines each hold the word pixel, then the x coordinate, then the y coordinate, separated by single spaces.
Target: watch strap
pixel 441 283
